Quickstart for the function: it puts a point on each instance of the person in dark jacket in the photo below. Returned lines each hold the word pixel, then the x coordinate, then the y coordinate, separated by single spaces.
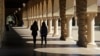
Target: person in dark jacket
pixel 34 29
pixel 43 32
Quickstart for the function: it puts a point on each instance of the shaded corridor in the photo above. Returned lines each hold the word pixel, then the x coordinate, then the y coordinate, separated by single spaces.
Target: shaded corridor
pixel 14 45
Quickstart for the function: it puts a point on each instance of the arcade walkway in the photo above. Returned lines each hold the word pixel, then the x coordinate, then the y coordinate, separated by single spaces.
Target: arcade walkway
pixel 18 42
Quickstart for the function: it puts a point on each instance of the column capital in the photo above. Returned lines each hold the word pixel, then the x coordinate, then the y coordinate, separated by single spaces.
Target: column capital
pixel 69 16
pixel 91 14
pixel 56 17
pixel 50 18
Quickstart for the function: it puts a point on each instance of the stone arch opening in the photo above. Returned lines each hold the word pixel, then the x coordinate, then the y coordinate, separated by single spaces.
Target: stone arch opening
pixel 11 20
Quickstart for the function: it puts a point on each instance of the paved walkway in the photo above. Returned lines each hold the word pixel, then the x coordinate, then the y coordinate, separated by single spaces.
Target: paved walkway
pixel 18 41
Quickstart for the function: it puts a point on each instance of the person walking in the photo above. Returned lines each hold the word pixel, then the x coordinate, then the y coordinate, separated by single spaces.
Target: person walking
pixel 34 29
pixel 43 32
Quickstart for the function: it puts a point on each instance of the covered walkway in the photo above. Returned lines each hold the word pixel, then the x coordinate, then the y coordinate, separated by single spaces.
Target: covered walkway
pixel 18 41
pixel 72 27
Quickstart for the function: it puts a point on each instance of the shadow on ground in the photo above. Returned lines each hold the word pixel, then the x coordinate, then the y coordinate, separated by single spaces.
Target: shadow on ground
pixel 14 45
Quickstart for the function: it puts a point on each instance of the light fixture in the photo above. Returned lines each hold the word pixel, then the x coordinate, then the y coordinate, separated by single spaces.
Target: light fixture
pixel 24 4
pixel 19 9
pixel 16 11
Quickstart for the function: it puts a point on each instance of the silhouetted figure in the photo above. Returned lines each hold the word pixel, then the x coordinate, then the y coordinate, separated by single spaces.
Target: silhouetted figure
pixel 34 29
pixel 43 32
pixel 11 23
pixel 7 27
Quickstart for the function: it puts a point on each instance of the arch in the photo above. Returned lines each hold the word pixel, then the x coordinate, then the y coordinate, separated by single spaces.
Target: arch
pixel 56 10
pixel 11 20
pixel 49 8
pixel 73 21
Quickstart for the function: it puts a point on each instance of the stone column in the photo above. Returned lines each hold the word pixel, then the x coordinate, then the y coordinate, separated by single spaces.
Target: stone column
pixel 69 27
pixel 49 26
pixel 23 15
pixel 41 20
pixel 27 20
pixel 31 13
pixel 28 14
pixel 81 12
pixel 38 22
pixel 91 24
pixel 55 28
pixel 45 20
pixel 63 19
pixel 2 21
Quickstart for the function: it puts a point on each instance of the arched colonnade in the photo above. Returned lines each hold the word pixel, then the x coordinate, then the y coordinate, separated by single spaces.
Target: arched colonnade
pixel 51 11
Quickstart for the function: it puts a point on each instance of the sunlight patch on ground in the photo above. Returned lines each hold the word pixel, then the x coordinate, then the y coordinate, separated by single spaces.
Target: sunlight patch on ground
pixel 53 42
pixel 85 51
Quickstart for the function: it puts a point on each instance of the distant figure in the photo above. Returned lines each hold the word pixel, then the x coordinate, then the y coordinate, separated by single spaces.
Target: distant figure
pixel 11 23
pixel 43 32
pixel 7 27
pixel 34 29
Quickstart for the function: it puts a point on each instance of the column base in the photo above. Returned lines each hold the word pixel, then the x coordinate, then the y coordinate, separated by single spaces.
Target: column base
pixel 91 45
pixel 50 33
pixel 81 44
pixel 55 35
pixel 70 39
pixel 38 33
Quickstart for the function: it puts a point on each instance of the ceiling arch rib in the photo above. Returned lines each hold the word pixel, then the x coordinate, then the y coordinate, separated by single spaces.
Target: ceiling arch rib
pixel 44 9
pixel 56 10
pixel 49 8
pixel 70 7
pixel 92 7
pixel 40 13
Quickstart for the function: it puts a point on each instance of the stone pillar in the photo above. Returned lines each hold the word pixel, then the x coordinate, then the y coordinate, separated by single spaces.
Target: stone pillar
pixel 55 27
pixel 91 24
pixel 45 20
pixel 38 24
pixel 28 14
pixel 63 19
pixel 41 22
pixel 31 13
pixel 2 21
pixel 49 26
pixel 23 14
pixel 50 14
pixel 81 12
pixel 69 27
pixel 27 20
pixel 24 22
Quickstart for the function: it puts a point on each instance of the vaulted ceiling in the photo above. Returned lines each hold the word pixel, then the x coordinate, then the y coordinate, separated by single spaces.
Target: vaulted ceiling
pixel 12 5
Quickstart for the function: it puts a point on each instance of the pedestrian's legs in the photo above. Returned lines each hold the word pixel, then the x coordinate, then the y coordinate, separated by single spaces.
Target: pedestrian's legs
pixel 45 39
pixel 34 39
pixel 41 40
